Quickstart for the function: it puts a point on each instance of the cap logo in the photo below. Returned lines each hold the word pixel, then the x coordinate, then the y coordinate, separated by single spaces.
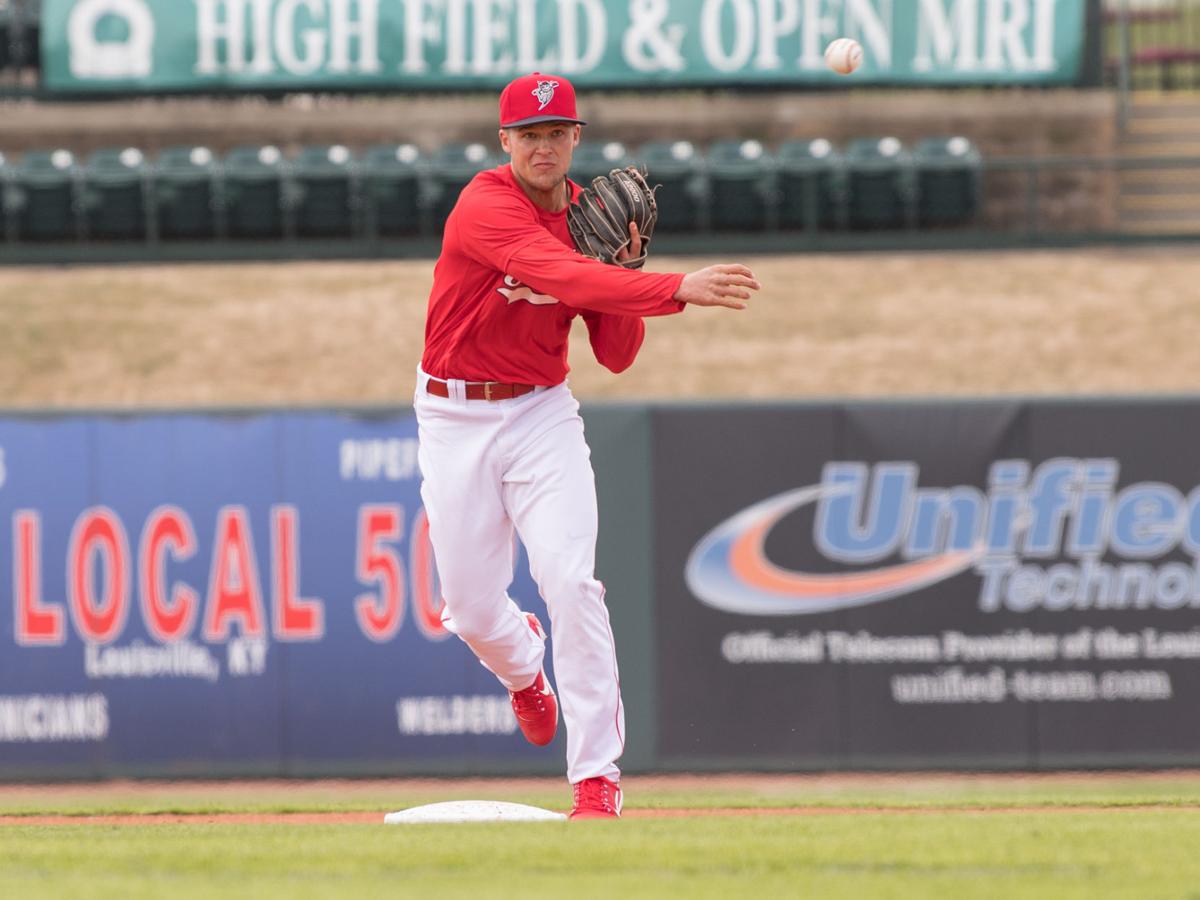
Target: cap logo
pixel 544 92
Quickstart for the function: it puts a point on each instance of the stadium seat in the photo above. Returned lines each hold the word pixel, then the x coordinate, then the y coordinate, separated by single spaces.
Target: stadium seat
pixel 682 198
pixel 453 166
pixel 879 183
pixel 391 189
pixel 185 193
pixel 42 196
pixel 741 184
pixel 324 179
pixel 253 192
pixel 113 194
pixel 592 159
pixel 948 180
pixel 811 184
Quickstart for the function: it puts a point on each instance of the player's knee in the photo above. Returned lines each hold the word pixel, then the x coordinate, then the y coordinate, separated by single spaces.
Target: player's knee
pixel 473 622
pixel 564 589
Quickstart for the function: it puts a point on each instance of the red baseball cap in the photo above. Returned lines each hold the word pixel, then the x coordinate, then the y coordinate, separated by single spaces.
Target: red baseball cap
pixel 537 98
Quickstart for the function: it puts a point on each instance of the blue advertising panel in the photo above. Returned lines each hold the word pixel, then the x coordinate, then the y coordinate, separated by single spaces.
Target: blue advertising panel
pixel 194 594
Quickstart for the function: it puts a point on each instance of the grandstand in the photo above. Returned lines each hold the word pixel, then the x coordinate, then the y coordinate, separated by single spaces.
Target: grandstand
pixel 286 168
pixel 390 190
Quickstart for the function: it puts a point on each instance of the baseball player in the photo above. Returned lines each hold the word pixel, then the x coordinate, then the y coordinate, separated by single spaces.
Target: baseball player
pixel 501 441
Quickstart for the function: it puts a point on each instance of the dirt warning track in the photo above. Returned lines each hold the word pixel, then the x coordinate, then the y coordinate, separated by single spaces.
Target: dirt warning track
pixel 250 802
pixel 376 818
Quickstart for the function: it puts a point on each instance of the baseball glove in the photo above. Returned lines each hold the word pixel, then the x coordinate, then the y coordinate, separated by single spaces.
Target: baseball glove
pixel 599 220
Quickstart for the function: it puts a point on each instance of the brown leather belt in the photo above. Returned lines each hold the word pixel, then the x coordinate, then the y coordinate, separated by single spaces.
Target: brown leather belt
pixel 482 390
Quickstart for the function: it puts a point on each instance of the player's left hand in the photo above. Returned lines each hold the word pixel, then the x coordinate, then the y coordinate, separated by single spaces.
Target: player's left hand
pixel 634 248
pixel 602 218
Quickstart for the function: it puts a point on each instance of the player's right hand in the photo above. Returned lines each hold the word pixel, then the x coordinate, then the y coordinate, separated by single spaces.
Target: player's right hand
pixel 727 285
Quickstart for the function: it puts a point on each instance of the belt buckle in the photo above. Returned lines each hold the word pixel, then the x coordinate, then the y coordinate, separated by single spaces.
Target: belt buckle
pixel 487 390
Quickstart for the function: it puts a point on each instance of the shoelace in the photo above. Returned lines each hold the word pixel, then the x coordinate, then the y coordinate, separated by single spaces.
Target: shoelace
pixel 594 793
pixel 530 700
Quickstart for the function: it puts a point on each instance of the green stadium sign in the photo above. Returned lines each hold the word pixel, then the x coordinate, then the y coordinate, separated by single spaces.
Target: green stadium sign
pixel 232 45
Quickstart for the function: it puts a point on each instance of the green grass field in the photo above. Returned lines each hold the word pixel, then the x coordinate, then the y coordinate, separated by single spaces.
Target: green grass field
pixel 924 837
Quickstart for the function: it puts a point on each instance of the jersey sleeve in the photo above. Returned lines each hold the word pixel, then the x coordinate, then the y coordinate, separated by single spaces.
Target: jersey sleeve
pixel 491 223
pixel 615 339
pixel 496 229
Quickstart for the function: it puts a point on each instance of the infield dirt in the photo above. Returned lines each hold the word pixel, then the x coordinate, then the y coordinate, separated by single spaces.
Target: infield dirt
pixel 1004 323
pixel 375 818
pixel 363 801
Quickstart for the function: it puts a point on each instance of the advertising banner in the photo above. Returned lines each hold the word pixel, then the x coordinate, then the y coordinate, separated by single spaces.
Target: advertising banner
pixel 1007 584
pixel 218 45
pixel 243 593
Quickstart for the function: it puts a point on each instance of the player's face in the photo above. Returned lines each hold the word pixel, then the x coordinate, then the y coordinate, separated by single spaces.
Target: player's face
pixel 541 154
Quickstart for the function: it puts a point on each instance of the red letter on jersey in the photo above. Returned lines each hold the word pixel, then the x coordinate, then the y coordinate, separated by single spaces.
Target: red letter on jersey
pixel 379 615
pixel 98 532
pixel 37 623
pixel 234 591
pixel 169 614
pixel 296 618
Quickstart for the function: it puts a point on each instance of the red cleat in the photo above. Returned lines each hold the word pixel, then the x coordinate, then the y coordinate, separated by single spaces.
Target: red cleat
pixel 597 798
pixel 536 707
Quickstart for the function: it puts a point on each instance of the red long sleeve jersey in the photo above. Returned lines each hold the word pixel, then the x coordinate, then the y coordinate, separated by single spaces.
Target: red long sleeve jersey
pixel 509 282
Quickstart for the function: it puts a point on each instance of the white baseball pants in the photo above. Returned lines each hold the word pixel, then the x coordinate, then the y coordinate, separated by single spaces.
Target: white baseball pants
pixel 490 467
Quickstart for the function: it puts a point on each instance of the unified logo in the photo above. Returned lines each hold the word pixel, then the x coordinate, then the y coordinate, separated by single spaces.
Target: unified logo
pixel 1055 536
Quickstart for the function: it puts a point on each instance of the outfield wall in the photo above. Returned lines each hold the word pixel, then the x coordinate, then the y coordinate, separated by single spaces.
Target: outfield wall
pixel 1009 584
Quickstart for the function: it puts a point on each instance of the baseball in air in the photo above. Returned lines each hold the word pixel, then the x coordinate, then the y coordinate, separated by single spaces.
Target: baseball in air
pixel 844 55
